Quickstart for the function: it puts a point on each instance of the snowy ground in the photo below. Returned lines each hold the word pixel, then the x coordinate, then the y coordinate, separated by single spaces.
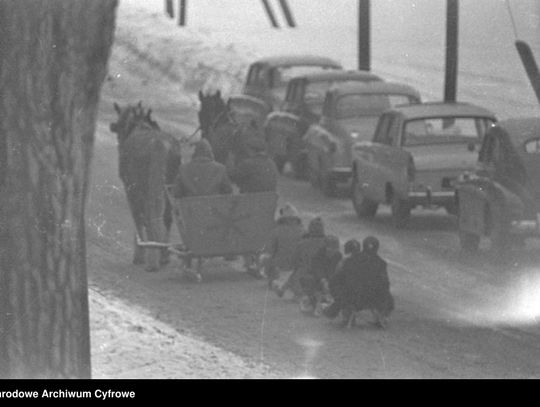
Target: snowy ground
pixel 455 316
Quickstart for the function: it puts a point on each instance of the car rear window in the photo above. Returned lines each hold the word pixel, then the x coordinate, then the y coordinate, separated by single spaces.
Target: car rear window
pixel 448 130
pixel 365 104
pixel 282 75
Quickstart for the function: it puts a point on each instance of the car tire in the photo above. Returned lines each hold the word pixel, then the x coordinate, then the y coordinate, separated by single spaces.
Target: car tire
pixel 300 166
pixel 280 163
pixel 468 241
pixel 401 212
pixel 364 207
pixel 499 232
pixel 328 184
pixel 451 209
pixel 313 174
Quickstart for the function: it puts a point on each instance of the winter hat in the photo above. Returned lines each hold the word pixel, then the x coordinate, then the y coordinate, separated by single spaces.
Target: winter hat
pixel 331 242
pixel 203 149
pixel 352 246
pixel 288 210
pixel 370 244
pixel 316 227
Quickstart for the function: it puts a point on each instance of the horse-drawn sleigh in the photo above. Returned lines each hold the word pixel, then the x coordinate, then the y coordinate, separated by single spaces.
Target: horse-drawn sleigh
pixel 219 226
pixel 210 226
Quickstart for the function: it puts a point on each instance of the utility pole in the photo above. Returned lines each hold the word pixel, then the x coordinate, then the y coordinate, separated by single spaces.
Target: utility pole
pixel 169 8
pixel 270 13
pixel 364 41
pixel 451 68
pixel 287 13
pixel 182 12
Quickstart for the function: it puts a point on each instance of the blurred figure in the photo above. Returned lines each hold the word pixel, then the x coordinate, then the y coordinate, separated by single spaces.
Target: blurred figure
pixel 202 175
pixel 280 250
pixel 315 283
pixel 310 244
pixel 336 283
pixel 256 173
pixel 362 284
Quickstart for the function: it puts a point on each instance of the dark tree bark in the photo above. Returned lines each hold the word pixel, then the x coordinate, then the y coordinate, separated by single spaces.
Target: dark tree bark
pixel 53 60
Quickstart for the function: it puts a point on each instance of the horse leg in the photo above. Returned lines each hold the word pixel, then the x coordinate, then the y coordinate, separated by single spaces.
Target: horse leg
pixel 156 230
pixel 167 220
pixel 155 234
pixel 138 251
pixel 136 214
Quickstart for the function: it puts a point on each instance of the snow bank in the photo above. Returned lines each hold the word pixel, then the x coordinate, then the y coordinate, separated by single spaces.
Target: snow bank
pixel 127 343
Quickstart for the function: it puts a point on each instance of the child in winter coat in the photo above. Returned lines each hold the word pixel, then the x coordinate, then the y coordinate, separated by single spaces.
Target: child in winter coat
pixel 362 284
pixel 310 243
pixel 280 249
pixel 315 281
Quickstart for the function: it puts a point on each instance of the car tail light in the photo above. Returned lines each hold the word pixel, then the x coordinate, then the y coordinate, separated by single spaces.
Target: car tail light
pixel 411 169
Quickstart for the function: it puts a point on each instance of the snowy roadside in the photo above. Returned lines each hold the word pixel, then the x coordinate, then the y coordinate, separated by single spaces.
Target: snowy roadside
pixel 128 342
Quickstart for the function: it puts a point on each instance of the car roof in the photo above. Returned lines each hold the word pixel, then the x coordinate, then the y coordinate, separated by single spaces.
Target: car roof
pixel 338 75
pixel 442 109
pixel 520 129
pixel 292 60
pixel 374 87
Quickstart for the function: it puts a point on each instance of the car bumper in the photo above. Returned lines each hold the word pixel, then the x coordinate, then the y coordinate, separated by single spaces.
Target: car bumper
pixel 341 174
pixel 526 227
pixel 431 198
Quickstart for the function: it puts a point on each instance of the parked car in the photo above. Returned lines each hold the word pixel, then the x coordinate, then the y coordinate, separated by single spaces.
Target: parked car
pixel 501 199
pixel 349 115
pixel 416 156
pixel 247 108
pixel 267 78
pixel 302 107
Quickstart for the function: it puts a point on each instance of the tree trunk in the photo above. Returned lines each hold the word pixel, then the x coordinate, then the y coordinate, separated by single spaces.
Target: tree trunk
pixel 53 60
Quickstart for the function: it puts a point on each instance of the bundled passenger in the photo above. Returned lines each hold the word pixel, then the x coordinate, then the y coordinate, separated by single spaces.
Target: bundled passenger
pixel 202 175
pixel 336 283
pixel 315 283
pixel 362 284
pixel 282 243
pixel 310 244
pixel 256 173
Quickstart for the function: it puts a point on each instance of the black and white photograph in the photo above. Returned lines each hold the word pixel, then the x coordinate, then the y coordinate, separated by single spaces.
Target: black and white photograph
pixel 268 189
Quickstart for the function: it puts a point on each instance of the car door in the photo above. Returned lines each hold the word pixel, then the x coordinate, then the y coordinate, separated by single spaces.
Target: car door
pixel 317 138
pixel 392 161
pixel 368 159
pixel 531 161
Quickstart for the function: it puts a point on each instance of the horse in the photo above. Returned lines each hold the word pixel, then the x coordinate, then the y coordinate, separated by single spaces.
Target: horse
pixel 227 136
pixel 148 160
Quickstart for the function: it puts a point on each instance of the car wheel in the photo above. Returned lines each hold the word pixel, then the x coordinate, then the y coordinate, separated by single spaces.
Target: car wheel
pixel 401 212
pixel 300 166
pixel 364 207
pixel 280 163
pixel 313 174
pixel 469 241
pixel 451 209
pixel 328 184
pixel 499 232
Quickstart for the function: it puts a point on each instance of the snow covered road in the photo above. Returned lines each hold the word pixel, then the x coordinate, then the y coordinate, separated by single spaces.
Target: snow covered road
pixel 455 317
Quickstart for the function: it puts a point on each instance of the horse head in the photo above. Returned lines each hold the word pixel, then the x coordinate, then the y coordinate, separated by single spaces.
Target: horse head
pixel 131 117
pixel 213 111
